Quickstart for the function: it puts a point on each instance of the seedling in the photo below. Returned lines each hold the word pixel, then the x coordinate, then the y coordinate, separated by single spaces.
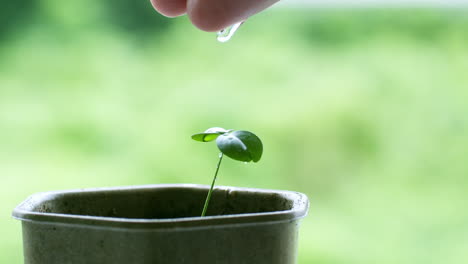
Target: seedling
pixel 237 144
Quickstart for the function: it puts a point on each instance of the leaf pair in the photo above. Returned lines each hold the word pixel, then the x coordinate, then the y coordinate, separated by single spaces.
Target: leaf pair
pixel 237 144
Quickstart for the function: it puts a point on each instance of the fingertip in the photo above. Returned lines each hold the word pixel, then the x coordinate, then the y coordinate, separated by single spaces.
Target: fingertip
pixel 208 24
pixel 170 8
pixel 210 15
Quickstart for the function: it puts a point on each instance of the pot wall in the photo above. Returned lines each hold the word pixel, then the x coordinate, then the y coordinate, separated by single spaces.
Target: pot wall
pixel 274 243
pixel 114 225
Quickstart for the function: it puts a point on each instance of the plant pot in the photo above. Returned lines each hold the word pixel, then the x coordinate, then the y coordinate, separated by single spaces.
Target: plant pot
pixel 161 224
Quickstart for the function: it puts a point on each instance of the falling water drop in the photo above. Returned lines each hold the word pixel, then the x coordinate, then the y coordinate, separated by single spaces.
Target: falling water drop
pixel 226 34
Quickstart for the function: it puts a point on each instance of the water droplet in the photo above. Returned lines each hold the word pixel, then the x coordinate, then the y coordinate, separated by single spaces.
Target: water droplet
pixel 245 162
pixel 220 154
pixel 226 34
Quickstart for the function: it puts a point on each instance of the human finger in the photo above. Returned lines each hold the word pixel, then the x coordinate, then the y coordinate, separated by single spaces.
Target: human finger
pixel 214 15
pixel 170 8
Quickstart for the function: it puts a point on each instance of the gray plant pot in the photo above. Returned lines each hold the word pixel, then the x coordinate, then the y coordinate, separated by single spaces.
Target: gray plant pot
pixel 161 224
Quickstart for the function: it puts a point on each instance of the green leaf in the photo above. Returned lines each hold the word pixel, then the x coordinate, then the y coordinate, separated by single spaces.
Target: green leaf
pixel 240 145
pixel 209 135
pixel 205 137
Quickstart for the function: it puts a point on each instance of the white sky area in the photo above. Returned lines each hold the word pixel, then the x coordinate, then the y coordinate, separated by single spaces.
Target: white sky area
pixel 374 3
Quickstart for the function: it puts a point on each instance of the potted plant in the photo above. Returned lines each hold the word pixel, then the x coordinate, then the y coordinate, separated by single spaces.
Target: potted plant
pixel 163 223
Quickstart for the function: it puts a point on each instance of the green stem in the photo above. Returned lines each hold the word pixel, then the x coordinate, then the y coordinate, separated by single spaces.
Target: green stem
pixel 208 197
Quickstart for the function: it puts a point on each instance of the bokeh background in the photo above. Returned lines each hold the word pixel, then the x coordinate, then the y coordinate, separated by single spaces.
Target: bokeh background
pixel 363 109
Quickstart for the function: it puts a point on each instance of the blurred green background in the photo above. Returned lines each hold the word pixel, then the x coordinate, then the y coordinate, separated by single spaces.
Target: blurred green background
pixel 364 110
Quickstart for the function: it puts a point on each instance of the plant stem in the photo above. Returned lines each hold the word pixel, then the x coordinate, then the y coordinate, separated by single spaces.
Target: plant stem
pixel 208 197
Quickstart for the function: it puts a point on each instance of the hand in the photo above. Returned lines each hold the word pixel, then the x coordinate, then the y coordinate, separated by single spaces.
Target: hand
pixel 212 15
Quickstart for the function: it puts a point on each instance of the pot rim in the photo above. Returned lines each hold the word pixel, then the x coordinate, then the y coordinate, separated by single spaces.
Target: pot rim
pixel 24 211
